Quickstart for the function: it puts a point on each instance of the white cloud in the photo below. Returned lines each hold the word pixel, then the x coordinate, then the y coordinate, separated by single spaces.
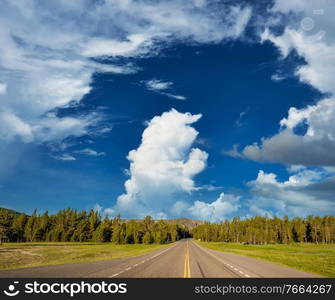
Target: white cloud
pixel 90 152
pixel 53 129
pixel 162 87
pixel 158 85
pixel 254 210
pixel 295 168
pixel 224 207
pixel 108 212
pixel 97 208
pixel 3 88
pixel 178 97
pixel 234 152
pixel 216 211
pixel 307 192
pixel 321 14
pixel 12 126
pixel 319 56
pixel 239 121
pixel 45 73
pixel 103 130
pixel 65 157
pixel 315 147
pixel 163 166
pixel 277 77
pixel 48 129
pixel 49 66
pixel 108 47
pixel 287 6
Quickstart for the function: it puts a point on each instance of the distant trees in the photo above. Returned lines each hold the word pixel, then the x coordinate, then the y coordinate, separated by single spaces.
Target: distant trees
pixel 79 226
pixel 2 233
pixel 263 230
pixel 70 225
pixel 6 218
pixel 103 232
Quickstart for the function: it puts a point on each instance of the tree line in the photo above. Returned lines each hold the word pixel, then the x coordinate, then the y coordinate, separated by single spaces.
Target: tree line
pixel 263 230
pixel 81 226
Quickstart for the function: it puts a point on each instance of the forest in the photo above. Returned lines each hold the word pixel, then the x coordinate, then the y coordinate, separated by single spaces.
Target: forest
pixel 263 230
pixel 81 226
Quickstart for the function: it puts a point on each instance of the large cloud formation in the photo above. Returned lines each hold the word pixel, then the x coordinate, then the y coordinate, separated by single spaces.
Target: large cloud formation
pixel 162 171
pixel 224 207
pixel 163 166
pixel 316 147
pixel 46 51
pixel 306 192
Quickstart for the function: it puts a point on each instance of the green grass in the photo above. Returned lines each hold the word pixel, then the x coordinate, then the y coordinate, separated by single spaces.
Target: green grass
pixel 313 258
pixel 23 255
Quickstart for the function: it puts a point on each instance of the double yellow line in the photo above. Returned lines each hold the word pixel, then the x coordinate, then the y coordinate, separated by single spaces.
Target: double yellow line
pixel 187 271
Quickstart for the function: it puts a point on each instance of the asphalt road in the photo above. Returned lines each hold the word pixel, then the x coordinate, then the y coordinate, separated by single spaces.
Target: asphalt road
pixel 181 259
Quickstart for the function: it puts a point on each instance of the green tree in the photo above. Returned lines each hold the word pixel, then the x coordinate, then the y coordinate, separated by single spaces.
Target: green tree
pixel 18 227
pixel 93 220
pixel 31 228
pixel 147 238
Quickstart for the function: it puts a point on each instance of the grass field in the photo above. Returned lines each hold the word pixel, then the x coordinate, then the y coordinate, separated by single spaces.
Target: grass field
pixel 314 258
pixel 22 255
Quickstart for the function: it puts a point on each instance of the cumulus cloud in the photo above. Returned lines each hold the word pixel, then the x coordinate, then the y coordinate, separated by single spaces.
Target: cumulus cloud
pixel 307 192
pixel 220 209
pixel 162 87
pixel 50 65
pixel 314 147
pixel 162 170
pixel 90 152
pixel 163 166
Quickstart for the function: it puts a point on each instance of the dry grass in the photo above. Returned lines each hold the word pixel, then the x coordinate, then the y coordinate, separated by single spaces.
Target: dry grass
pixel 314 258
pixel 23 255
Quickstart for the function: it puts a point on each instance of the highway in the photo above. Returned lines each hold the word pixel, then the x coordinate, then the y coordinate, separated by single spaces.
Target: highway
pixel 185 258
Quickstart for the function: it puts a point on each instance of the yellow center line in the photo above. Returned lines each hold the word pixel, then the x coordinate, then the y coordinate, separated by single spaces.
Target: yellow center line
pixel 187 271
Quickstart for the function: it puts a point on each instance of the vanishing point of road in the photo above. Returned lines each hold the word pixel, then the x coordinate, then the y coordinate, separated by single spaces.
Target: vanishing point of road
pixel 184 258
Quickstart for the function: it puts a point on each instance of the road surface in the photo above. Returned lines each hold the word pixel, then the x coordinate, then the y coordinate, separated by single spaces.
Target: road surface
pixel 185 258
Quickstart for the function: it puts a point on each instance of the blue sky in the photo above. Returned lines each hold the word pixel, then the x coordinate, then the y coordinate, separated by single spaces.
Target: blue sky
pixel 228 112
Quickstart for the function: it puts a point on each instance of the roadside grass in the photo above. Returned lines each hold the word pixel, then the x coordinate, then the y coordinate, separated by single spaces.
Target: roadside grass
pixel 313 258
pixel 24 255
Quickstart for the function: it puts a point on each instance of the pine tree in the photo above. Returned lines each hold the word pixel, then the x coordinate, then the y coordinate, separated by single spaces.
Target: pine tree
pixel 31 228
pixel 18 227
